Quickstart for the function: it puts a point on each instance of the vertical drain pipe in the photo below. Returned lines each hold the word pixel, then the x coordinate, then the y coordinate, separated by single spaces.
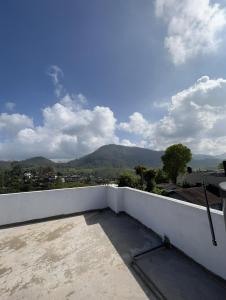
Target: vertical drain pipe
pixel 209 216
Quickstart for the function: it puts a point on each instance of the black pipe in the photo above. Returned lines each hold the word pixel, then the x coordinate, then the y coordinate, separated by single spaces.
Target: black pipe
pixel 148 251
pixel 209 216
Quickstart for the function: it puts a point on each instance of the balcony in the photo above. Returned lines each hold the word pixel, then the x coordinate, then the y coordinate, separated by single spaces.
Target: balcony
pixel 80 243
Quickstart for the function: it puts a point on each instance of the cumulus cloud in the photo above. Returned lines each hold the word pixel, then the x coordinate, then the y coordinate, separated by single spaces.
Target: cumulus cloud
pixel 68 131
pixel 11 124
pixel 10 106
pixel 193 27
pixel 137 124
pixel 195 117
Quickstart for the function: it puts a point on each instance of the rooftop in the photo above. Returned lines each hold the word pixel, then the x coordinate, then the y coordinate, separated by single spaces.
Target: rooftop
pixel 195 195
pixel 90 255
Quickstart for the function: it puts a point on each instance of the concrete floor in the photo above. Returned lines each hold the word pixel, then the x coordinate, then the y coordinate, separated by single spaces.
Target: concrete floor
pixel 89 257
pixel 178 277
pixel 80 257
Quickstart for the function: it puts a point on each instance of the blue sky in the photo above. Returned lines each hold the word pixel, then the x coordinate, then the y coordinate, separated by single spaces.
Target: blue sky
pixel 126 57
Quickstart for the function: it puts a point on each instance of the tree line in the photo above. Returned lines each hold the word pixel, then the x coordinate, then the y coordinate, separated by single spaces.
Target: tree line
pixel 174 162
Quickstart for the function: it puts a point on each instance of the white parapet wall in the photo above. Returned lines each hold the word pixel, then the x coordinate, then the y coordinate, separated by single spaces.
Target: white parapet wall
pixel 21 207
pixel 185 224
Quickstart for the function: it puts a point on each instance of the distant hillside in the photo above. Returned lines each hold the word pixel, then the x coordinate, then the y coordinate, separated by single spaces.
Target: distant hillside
pixel 221 156
pixel 205 162
pixel 5 164
pixel 118 156
pixel 38 161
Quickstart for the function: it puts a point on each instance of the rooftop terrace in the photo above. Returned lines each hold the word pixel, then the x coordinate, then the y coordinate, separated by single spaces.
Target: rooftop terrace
pixel 91 254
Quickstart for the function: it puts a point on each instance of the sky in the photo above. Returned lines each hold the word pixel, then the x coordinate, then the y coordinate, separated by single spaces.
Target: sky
pixel 76 75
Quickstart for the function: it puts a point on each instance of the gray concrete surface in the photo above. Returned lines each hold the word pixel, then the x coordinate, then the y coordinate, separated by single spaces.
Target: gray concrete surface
pixel 89 256
pixel 80 257
pixel 177 277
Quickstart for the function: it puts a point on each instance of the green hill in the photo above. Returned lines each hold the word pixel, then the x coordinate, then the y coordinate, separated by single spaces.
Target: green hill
pixel 37 161
pixel 117 156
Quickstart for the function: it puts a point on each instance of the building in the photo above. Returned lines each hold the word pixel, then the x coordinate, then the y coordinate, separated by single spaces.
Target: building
pixel 197 177
pixel 106 242
pixel 196 195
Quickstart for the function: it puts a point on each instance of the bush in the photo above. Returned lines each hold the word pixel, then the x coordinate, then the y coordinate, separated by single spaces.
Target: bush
pixel 149 177
pixel 128 179
pixel 161 176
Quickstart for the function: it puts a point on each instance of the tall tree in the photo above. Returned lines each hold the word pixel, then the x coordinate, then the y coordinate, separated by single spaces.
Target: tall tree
pixel 175 159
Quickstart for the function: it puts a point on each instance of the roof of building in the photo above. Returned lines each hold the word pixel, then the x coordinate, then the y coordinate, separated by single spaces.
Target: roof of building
pixel 88 256
pixel 195 195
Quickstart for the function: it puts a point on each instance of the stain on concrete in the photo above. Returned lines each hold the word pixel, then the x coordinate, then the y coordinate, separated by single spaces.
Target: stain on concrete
pixel 19 286
pixel 34 281
pixel 13 289
pixel 50 257
pixel 70 294
pixel 55 234
pixel 5 271
pixel 68 274
pixel 15 243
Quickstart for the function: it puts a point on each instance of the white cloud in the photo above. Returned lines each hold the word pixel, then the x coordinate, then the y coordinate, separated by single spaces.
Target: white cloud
pixel 11 124
pixel 137 124
pixel 193 27
pixel 126 142
pixel 10 106
pixel 195 117
pixel 161 104
pixel 68 131
pixel 56 74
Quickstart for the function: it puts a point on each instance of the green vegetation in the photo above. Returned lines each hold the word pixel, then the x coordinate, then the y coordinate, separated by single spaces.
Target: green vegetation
pixel 140 170
pixel 143 179
pixel 128 179
pixel 175 159
pixel 128 166
pixel 149 176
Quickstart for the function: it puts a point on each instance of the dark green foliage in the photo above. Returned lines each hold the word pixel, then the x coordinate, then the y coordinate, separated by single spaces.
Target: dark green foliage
pixel 140 170
pixel 117 156
pixel 220 166
pixel 189 170
pixel 175 159
pixel 161 176
pixel 128 179
pixel 149 176
pixel 224 166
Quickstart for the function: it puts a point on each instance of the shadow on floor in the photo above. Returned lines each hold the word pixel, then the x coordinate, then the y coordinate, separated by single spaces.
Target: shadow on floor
pixel 175 275
pixel 128 236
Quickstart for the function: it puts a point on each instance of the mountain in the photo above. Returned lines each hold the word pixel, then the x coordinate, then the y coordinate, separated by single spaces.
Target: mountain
pixel 5 164
pixel 117 156
pixel 204 161
pixel 37 161
pixel 222 156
